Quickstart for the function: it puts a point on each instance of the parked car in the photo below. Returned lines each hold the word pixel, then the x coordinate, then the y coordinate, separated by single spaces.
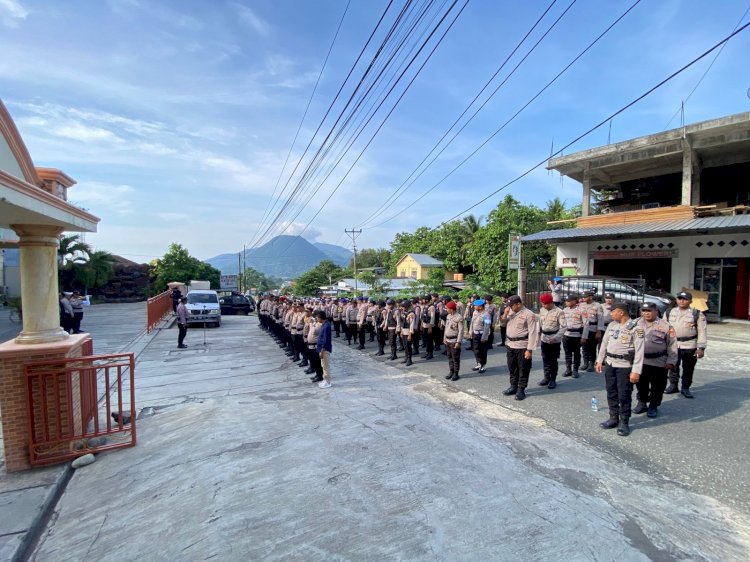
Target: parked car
pixel 250 297
pixel 203 307
pixel 622 291
pixel 234 303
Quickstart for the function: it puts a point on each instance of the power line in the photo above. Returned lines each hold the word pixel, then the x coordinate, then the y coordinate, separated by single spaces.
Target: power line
pixel 682 105
pixel 516 114
pixel 307 107
pixel 604 121
pixel 353 234
pixel 404 187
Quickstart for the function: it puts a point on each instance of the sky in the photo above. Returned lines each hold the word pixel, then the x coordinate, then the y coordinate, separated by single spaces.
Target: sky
pixel 176 117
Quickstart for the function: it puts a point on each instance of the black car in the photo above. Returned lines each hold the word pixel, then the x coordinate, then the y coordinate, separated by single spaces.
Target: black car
pixel 235 304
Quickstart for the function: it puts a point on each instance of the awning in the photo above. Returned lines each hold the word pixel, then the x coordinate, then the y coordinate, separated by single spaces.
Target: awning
pixel 683 227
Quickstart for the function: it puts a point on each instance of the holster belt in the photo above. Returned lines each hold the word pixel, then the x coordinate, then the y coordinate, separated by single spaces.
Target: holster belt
pixel 662 353
pixel 628 357
pixel 522 338
pixel 576 329
pixel 593 323
pixel 687 338
pixel 550 333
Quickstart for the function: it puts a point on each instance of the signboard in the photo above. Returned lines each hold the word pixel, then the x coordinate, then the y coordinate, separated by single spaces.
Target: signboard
pixel 228 282
pixel 634 254
pixel 514 251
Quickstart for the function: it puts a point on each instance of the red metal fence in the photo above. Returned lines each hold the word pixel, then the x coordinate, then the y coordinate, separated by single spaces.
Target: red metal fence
pixel 158 308
pixel 71 403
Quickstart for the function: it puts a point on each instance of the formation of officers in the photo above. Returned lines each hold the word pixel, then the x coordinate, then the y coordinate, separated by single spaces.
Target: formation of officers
pixel 648 352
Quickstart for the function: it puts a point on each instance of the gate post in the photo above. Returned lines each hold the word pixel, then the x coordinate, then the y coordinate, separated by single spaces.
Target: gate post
pixel 13 392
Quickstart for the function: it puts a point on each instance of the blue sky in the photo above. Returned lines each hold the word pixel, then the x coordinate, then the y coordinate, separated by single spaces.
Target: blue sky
pixel 175 117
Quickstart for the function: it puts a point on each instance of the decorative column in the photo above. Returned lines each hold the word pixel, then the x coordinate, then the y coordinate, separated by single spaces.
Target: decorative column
pixel 39 289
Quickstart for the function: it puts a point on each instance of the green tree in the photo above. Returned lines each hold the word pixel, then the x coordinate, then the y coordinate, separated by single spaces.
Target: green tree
pixel 260 282
pixel 96 271
pixel 72 249
pixel 371 257
pixel 178 265
pixel 308 284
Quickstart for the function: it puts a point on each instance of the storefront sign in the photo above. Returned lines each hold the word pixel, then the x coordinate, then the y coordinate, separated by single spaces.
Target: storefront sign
pixel 514 251
pixel 634 254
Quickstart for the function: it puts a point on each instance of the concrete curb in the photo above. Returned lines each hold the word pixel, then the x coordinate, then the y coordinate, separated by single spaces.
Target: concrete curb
pixel 39 523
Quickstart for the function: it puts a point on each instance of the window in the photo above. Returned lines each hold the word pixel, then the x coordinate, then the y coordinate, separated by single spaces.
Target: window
pixel 413 273
pixel 202 298
pixel 402 273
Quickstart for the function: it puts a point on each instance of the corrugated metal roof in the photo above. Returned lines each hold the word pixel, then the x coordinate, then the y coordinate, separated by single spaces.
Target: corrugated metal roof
pixel 425 260
pixel 734 223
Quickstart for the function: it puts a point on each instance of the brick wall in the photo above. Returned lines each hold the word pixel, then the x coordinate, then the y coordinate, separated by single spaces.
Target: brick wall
pixel 13 393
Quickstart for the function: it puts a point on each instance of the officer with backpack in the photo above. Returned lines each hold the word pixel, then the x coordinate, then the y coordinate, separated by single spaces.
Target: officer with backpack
pixel 690 327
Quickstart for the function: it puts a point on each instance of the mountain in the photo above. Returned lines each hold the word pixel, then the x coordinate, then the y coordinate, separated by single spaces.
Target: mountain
pixel 284 256
pixel 338 254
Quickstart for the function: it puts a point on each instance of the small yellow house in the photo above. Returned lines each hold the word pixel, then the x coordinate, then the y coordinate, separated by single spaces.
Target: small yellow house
pixel 418 266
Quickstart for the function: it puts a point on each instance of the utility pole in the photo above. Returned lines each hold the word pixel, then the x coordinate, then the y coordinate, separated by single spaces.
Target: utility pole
pixel 244 267
pixel 353 235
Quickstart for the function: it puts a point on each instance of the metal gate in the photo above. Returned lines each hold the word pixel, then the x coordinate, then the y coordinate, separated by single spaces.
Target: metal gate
pixel 71 402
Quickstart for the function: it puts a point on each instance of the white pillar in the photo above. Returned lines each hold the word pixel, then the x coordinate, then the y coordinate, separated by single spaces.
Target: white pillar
pixel 40 302
pixel 586 202
pixel 691 175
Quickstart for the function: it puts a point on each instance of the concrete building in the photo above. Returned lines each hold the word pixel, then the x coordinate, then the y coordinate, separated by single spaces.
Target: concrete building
pixel 672 207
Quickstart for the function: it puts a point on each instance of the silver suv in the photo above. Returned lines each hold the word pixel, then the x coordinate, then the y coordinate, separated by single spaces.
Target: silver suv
pixel 203 307
pixel 622 290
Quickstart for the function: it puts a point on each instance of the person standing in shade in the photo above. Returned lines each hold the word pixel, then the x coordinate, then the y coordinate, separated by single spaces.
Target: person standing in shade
pixel 552 327
pixel 428 325
pixel 66 312
pixel 621 359
pixel 659 356
pixel 324 347
pixel 491 309
pixel 176 296
pixel 593 313
pixel 390 323
pixel 576 328
pixel 520 342
pixel 480 331
pixel 76 303
pixel 408 327
pixel 362 307
pixel 182 315
pixel 691 328
pixel 417 332
pixel 454 333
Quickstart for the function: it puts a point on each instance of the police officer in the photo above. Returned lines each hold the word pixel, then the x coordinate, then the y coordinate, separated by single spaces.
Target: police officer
pixel 351 322
pixel 556 291
pixel 480 331
pixel 593 313
pixel 520 342
pixel 659 355
pixel 491 309
pixel 312 356
pixel 338 310
pixel 468 315
pixel 417 333
pixel 381 334
pixel 606 316
pixel 390 323
pixel 576 328
pixel 408 325
pixel 428 325
pixel 552 327
pixel 621 359
pixel 362 306
pixel 454 333
pixel 371 309
pixel 691 328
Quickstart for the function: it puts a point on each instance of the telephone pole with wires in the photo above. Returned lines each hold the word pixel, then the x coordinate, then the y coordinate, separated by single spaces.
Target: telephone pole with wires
pixel 353 233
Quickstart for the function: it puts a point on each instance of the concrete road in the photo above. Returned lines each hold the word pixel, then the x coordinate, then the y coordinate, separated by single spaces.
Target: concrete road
pixel 241 458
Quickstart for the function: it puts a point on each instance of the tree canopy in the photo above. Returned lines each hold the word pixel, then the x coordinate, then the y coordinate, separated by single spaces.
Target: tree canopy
pixel 178 265
pixel 325 273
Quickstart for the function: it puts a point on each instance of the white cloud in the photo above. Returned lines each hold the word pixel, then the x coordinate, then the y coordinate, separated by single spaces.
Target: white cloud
pixel 261 26
pixel 83 133
pixel 11 11
pixel 310 233
pixel 100 195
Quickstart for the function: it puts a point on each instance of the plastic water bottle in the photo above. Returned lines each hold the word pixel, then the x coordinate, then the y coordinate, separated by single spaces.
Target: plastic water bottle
pixel 594 404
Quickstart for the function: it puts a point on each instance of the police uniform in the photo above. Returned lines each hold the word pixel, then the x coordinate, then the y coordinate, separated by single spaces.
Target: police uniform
pixel 338 311
pixel 660 350
pixel 576 329
pixel 522 336
pixel 428 325
pixel 491 309
pixel 417 334
pixel 593 312
pixel 606 315
pixel 690 326
pixel 351 322
pixel 407 325
pixel 312 350
pixel 452 336
pixel 480 331
pixel 380 332
pixel 361 322
pixel 551 328
pixel 390 323
pixel 620 354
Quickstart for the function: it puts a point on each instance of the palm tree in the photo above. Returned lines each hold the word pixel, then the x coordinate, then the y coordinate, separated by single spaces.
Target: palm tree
pixel 72 248
pixel 471 225
pixel 97 270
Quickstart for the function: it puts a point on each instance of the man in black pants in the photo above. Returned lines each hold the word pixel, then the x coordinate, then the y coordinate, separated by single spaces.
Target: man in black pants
pixel 690 328
pixel 522 339
pixel 182 315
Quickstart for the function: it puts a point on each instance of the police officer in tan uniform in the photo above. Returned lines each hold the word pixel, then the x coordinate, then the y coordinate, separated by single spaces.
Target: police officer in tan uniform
pixel 390 324
pixel 606 317
pixel 351 322
pixel 576 329
pixel 659 356
pixel 521 340
pixel 691 328
pixel 428 326
pixel 312 354
pixel 361 321
pixel 454 333
pixel 621 359
pixel 551 327
pixel 408 325
pixel 593 312
pixel 480 331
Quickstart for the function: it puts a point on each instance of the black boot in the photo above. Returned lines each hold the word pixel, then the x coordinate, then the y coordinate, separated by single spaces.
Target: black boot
pixel 304 363
pixel 552 383
pixel 455 377
pixel 671 389
pixel 568 372
pixel 510 390
pixel 309 371
pixel 428 357
pixel 409 363
pixel 686 392
pixel 640 408
pixel 544 381
pixel 449 375
pixel 316 378
pixel 611 423
pixel 623 430
pixel 575 373
pixel 520 394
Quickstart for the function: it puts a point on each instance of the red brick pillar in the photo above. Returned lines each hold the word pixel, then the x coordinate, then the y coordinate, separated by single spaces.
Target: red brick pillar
pixel 14 395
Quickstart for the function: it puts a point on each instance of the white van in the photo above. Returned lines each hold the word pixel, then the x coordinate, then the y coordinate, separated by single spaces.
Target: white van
pixel 203 307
